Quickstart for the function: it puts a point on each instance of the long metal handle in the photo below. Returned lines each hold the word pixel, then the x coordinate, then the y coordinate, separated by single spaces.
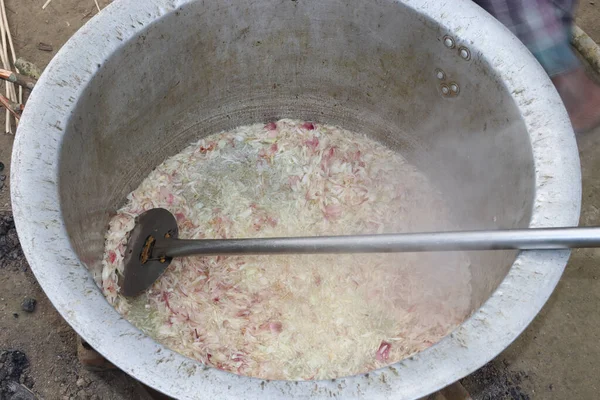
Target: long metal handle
pixel 524 239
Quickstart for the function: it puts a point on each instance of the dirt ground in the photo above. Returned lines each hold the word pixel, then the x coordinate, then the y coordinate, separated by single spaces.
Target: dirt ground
pixel 555 358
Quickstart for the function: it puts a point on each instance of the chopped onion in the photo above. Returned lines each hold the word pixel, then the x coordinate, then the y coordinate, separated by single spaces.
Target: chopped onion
pixel 299 316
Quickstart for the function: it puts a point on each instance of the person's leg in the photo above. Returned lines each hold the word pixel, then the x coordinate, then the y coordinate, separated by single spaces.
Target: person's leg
pixel 544 26
pixel 581 96
pixel 539 25
pixel 565 10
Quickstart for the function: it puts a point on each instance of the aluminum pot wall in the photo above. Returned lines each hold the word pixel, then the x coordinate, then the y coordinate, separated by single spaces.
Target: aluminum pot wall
pixel 444 84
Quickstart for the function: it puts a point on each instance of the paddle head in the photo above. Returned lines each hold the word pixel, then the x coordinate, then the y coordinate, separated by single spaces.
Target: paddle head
pixel 141 269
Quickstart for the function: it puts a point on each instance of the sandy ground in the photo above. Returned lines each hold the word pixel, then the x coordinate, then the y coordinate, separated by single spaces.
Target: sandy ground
pixel 555 358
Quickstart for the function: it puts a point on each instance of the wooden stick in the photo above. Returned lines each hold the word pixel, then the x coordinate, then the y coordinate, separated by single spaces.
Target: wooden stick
pixel 14 108
pixel 586 46
pixel 10 89
pixel 7 85
pixel 12 46
pixel 5 58
pixel 46 4
pixel 45 47
pixel 97 5
pixel 7 124
pixel 19 79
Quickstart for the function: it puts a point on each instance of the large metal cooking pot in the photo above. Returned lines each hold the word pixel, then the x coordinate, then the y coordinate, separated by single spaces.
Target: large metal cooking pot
pixel 145 78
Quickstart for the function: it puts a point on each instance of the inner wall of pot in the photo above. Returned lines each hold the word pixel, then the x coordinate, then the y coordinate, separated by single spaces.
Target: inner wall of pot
pixel 369 67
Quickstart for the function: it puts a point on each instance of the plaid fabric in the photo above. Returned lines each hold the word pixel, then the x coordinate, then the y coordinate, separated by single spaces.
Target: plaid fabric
pixel 543 25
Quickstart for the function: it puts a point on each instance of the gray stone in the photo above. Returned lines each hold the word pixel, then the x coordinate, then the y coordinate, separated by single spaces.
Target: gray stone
pixel 28 304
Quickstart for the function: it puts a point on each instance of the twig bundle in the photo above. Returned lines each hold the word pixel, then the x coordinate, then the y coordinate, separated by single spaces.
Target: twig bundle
pixel 8 57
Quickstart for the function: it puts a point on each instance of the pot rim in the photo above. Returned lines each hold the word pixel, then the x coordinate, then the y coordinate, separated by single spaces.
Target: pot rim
pixel 521 295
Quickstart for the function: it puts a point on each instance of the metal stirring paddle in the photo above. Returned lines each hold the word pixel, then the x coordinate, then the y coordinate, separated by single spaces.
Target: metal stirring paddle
pixel 153 243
